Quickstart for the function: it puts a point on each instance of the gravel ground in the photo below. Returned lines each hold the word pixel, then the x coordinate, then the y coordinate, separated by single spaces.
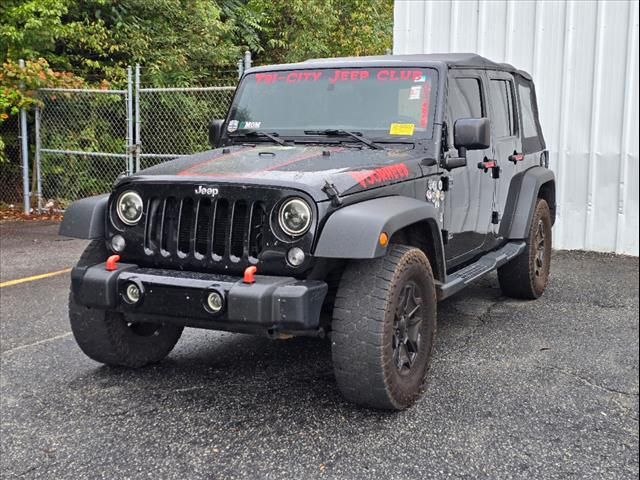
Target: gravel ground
pixel 544 389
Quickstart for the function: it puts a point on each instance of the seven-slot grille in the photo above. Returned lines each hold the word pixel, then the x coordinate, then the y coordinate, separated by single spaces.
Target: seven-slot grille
pixel 216 228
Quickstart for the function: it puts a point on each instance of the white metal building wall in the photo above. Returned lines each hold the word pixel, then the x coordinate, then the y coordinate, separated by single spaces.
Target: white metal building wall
pixel 583 56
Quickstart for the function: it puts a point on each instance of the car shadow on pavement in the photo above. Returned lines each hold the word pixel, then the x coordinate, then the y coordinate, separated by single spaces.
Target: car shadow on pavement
pixel 255 379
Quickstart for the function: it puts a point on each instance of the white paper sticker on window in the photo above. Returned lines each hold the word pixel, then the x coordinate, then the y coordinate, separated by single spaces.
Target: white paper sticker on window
pixel 233 126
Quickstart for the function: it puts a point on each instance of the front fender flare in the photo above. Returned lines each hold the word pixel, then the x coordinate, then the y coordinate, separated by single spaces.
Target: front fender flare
pixel 85 218
pixel 353 232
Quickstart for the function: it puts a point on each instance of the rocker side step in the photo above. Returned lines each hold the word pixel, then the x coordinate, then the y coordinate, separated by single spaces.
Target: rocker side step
pixel 485 264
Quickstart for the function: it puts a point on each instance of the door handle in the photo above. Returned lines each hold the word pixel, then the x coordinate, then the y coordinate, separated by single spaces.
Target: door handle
pixel 516 157
pixel 492 165
pixel 486 164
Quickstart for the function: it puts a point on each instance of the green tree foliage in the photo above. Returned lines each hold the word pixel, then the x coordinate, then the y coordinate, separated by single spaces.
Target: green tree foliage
pixel 295 30
pixel 178 40
pixel 17 87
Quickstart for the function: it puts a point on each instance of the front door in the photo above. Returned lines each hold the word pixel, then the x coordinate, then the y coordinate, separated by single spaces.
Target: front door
pixel 467 204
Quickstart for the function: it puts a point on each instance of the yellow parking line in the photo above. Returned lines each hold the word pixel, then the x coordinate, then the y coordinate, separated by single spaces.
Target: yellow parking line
pixel 34 277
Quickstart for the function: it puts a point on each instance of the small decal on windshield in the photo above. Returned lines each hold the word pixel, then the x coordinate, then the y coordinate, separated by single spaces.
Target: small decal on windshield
pixel 251 125
pixel 401 129
pixel 421 78
pixel 233 126
pixel 414 92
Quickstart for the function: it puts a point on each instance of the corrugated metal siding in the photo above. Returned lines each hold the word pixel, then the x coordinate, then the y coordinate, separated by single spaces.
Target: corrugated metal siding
pixel 584 60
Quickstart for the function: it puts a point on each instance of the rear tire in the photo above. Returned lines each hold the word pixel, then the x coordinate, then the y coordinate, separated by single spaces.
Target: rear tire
pixel 384 327
pixel 526 276
pixel 110 337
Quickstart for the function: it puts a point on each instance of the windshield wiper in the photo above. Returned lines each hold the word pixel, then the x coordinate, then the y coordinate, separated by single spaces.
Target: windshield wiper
pixel 337 133
pixel 254 133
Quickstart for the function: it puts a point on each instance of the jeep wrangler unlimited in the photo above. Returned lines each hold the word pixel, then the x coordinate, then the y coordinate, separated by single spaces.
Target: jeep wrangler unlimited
pixel 343 198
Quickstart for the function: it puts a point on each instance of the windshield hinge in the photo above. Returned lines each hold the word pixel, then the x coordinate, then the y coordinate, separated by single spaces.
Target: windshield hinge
pixel 330 190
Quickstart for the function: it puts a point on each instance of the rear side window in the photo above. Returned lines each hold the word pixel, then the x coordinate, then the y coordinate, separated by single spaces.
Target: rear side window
pixel 528 120
pixel 532 139
pixel 465 98
pixel 504 118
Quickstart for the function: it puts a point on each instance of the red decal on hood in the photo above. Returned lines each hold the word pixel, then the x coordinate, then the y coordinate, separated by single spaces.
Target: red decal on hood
pixel 369 178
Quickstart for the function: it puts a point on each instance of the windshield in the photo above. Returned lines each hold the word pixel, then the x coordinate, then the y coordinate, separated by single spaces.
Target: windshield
pixel 393 104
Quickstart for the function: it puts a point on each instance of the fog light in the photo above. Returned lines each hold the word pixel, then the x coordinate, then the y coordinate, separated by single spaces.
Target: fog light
pixel 118 243
pixel 132 293
pixel 295 257
pixel 214 302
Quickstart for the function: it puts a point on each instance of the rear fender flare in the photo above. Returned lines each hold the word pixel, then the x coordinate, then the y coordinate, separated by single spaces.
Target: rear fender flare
pixel 523 193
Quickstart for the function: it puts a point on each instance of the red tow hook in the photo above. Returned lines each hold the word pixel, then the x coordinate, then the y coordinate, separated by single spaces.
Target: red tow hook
pixel 110 264
pixel 249 274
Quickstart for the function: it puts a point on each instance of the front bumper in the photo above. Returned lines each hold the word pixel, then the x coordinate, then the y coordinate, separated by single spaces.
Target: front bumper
pixel 270 305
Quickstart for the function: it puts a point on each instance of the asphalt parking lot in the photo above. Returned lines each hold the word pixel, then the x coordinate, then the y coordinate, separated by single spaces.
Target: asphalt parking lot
pixel 545 389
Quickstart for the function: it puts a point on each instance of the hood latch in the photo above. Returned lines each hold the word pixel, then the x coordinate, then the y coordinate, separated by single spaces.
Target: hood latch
pixel 332 192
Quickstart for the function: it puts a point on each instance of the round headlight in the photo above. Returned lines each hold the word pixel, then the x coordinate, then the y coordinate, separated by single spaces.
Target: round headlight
pixel 295 217
pixel 129 208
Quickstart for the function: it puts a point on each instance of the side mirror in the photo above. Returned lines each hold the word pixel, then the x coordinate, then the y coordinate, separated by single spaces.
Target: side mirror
pixel 215 132
pixel 472 134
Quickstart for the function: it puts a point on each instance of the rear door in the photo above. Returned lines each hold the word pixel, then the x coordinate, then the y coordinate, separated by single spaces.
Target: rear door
pixel 506 145
pixel 467 204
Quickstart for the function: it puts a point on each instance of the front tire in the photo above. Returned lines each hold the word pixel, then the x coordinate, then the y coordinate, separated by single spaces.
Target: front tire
pixel 110 337
pixel 526 276
pixel 384 327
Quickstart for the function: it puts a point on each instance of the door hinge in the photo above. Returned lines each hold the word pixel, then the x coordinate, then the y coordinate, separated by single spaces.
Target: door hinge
pixel 446 183
pixel 445 236
pixel 495 217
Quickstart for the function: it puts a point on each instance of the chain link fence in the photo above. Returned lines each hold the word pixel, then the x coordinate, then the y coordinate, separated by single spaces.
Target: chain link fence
pixel 173 121
pixel 82 143
pixel 10 168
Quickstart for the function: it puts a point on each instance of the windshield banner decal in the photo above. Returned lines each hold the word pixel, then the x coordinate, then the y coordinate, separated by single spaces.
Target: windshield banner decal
pixel 338 75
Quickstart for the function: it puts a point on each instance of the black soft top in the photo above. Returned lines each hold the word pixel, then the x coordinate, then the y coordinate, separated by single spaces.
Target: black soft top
pixel 448 60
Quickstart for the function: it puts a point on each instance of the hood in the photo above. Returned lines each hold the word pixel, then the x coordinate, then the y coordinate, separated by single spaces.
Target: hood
pixel 306 168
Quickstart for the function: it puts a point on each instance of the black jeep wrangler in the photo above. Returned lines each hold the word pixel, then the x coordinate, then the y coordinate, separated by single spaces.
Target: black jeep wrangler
pixel 343 198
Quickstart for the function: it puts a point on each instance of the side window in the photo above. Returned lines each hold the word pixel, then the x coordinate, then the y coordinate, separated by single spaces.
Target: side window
pixel 529 127
pixel 532 139
pixel 504 118
pixel 464 100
